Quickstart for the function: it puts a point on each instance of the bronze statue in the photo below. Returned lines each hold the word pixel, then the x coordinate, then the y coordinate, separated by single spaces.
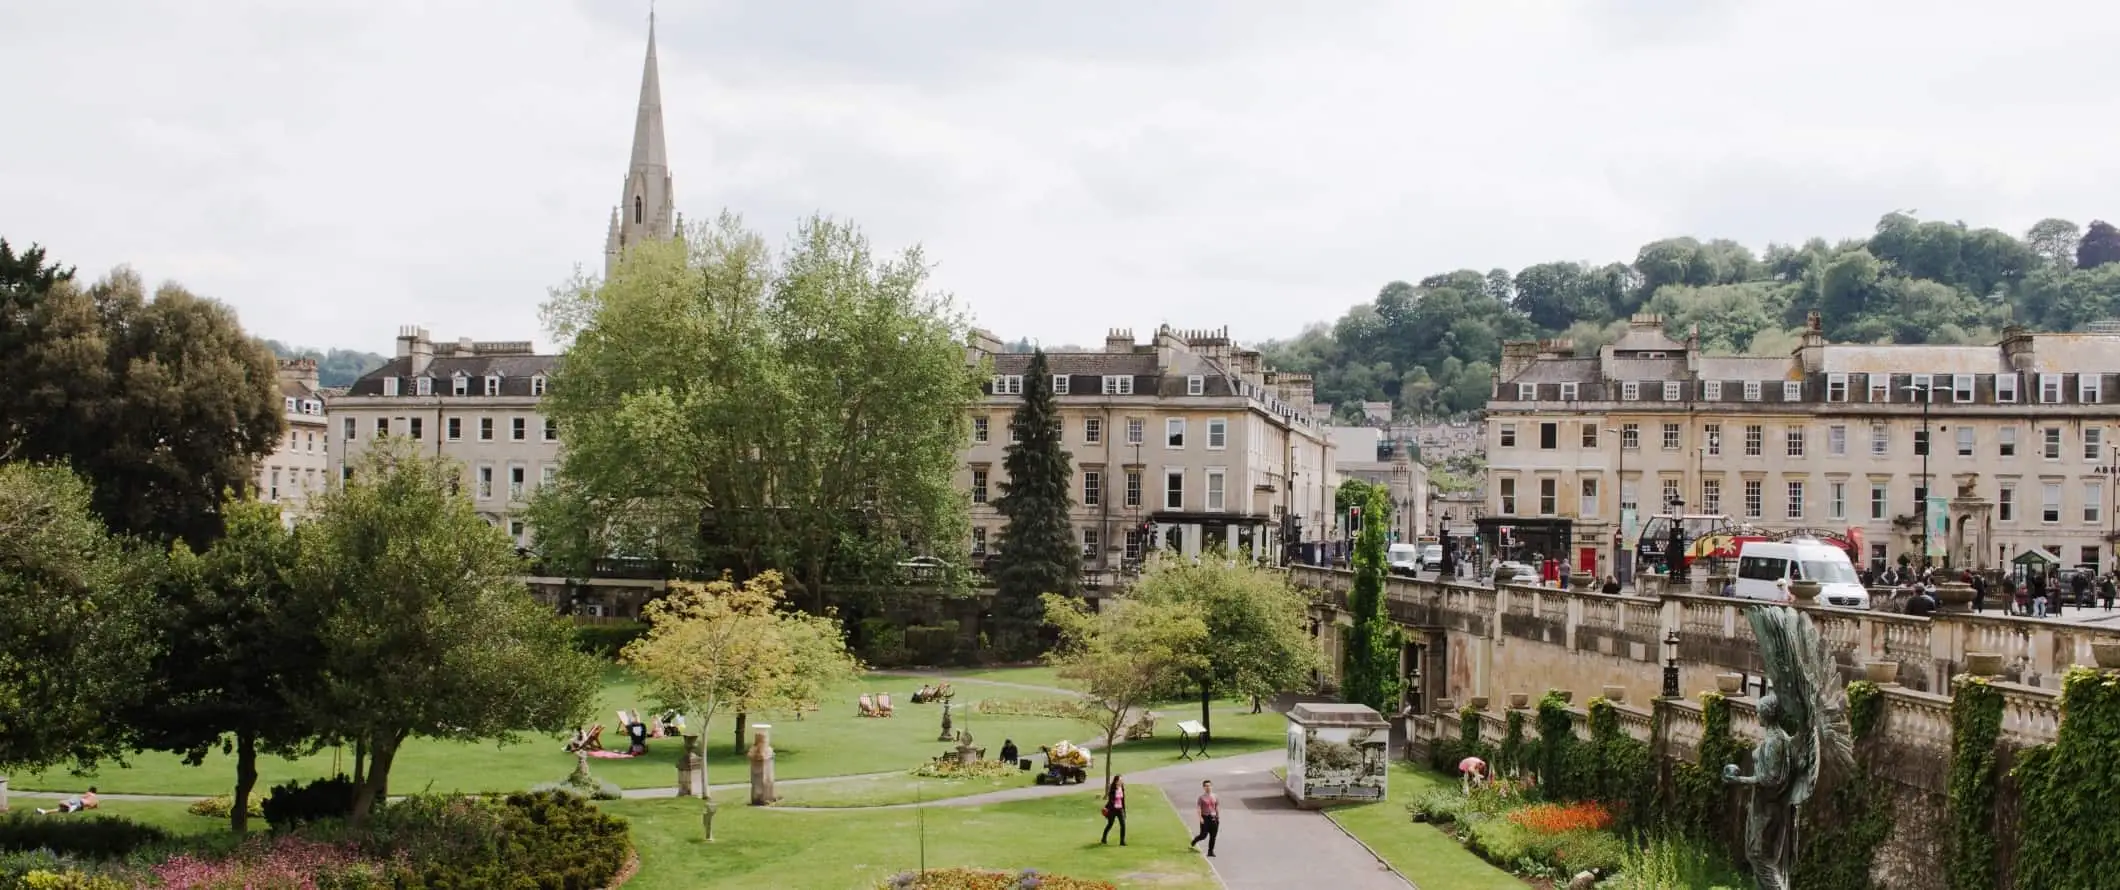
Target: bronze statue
pixel 1805 740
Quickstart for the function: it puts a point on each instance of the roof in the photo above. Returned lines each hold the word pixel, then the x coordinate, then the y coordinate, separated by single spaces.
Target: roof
pixel 515 372
pixel 1749 367
pixel 1071 363
pixel 294 389
pixel 1926 359
pixel 1645 338
pixel 1556 370
pixel 1336 714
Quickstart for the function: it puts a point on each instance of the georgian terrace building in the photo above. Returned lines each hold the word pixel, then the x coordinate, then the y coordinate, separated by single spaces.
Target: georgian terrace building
pixel 302 463
pixel 1186 442
pixel 2020 435
pixel 474 403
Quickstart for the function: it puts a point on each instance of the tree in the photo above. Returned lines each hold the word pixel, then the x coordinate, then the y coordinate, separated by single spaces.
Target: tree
pixel 2100 245
pixel 162 403
pixel 727 646
pixel 1370 672
pixel 2054 241
pixel 1037 553
pixel 425 626
pixel 723 404
pixel 1124 655
pixel 234 662
pixel 1257 625
pixel 75 612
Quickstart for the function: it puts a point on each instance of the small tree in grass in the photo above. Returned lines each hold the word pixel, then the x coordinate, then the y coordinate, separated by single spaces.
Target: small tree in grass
pixel 728 646
pixel 1257 625
pixel 1124 656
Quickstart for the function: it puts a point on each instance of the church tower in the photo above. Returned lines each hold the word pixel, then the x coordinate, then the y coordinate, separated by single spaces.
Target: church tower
pixel 647 208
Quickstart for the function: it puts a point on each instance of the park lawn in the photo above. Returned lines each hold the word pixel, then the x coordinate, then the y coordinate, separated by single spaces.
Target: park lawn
pixel 171 815
pixel 1033 675
pixel 1420 852
pixel 829 742
pixel 849 849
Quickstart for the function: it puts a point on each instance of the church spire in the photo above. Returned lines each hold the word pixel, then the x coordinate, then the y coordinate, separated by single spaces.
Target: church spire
pixel 647 207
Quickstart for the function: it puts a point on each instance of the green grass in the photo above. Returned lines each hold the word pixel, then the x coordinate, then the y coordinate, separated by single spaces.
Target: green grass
pixel 832 741
pixel 756 847
pixel 167 814
pixel 1422 853
pixel 1038 675
pixel 876 791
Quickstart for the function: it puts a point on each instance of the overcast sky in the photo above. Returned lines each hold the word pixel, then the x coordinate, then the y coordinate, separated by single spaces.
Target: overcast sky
pixel 337 168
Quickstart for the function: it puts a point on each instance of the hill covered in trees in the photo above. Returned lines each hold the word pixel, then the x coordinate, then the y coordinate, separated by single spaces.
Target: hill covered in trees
pixel 337 367
pixel 1430 347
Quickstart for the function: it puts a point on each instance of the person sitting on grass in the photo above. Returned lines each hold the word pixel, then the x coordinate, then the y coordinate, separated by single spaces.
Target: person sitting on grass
pixel 74 804
pixel 1008 751
pixel 926 692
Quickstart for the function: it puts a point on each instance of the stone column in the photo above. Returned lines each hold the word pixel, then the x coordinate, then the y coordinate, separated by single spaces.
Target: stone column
pixel 689 766
pixel 761 756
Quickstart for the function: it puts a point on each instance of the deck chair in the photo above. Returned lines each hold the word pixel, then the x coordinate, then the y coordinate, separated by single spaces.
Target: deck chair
pixel 942 692
pixel 595 742
pixel 883 705
pixel 868 705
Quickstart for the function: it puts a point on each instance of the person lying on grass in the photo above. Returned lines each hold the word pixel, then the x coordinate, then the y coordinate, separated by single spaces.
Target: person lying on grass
pixel 74 804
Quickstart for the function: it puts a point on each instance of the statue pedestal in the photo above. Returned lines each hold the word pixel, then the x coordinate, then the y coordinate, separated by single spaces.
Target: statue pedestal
pixel 691 769
pixel 761 756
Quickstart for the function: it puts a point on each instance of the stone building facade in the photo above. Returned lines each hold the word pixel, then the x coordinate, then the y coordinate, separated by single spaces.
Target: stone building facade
pixel 301 465
pixel 2020 436
pixel 1186 442
pixel 474 403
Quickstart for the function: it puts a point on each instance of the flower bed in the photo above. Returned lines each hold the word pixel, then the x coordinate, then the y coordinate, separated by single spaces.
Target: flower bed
pixel 979 879
pixel 1028 707
pixel 977 769
pixel 1508 825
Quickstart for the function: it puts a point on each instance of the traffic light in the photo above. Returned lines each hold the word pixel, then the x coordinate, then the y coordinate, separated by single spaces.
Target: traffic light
pixel 1354 521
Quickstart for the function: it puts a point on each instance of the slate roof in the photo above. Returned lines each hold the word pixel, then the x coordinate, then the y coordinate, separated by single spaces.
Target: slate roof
pixel 515 372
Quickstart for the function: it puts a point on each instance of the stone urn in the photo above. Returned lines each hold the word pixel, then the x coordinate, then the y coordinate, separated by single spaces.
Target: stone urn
pixel 1615 694
pixel 1566 695
pixel 1446 705
pixel 1582 581
pixel 1729 684
pixel 2105 652
pixel 1519 700
pixel 1881 672
pixel 1952 596
pixel 1805 591
pixel 1983 664
pixel 1478 702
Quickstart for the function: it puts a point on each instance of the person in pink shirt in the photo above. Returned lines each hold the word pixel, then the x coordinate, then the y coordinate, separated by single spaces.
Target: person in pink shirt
pixel 1473 771
pixel 1210 817
pixel 1115 810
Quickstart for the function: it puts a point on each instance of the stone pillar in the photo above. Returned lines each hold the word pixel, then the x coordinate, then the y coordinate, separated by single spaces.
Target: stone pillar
pixel 761 755
pixel 690 766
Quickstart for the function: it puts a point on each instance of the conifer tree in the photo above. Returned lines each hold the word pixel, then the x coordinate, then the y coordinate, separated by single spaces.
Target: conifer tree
pixel 1369 675
pixel 1036 553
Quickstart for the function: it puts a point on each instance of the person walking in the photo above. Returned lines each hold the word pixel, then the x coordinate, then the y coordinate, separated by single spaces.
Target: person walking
pixel 2106 590
pixel 2039 601
pixel 1115 810
pixel 1210 818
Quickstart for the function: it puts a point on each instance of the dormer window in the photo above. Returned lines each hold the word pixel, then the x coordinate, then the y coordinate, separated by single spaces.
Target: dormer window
pixel 290 404
pixel 1671 390
pixel 1752 390
pixel 1568 391
pixel 1792 390
pixel 1527 392
pixel 1059 384
pixel 390 386
pixel 1630 391
pixel 460 385
pixel 493 384
pixel 1008 384
pixel 1195 385
pixel 2089 389
pixel 1836 387
pixel 2005 388
pixel 2049 389
pixel 537 385
pixel 423 386
pixel 1711 390
pixel 1118 384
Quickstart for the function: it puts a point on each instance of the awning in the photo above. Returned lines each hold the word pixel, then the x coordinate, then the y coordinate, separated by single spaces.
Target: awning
pixel 2036 556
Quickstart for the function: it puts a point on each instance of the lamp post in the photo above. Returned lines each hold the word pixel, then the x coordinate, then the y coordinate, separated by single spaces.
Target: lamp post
pixel 1671 664
pixel 1675 552
pixel 1928 444
pixel 1619 501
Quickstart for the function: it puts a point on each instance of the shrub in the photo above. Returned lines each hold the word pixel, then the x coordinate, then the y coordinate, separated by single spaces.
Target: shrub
pixel 978 769
pixel 44 869
pixel 1667 861
pixel 68 880
pixel 977 879
pixel 279 861
pixel 89 837
pixel 605 640
pixel 549 840
pixel 295 804
pixel 219 807
pixel 1028 707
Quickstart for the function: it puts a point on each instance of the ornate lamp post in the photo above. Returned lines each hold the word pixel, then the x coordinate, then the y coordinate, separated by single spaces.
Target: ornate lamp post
pixel 1921 509
pixel 1675 552
pixel 1671 664
pixel 1619 503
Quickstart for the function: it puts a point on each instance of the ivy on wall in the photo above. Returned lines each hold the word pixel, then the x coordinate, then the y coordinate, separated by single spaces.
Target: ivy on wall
pixel 1445 754
pixel 1843 831
pixel 1565 767
pixel 1517 753
pixel 2071 825
pixel 1625 767
pixel 1701 805
pixel 1976 725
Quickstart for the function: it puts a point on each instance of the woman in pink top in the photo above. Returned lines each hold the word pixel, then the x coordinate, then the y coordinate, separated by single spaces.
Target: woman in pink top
pixel 1115 810
pixel 1474 771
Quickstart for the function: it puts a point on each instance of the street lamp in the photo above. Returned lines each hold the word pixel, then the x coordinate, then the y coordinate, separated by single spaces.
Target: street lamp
pixel 1928 444
pixel 1619 500
pixel 1671 664
pixel 1675 552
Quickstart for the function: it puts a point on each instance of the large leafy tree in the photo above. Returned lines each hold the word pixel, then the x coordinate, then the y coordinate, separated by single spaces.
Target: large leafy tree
pixel 1037 553
pixel 1124 655
pixel 75 615
pixel 1370 664
pixel 724 646
pixel 797 411
pixel 2100 245
pixel 425 626
pixel 235 662
pixel 161 402
pixel 1257 623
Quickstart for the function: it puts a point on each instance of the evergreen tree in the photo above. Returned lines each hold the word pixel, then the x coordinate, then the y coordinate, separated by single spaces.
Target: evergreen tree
pixel 1370 674
pixel 1036 553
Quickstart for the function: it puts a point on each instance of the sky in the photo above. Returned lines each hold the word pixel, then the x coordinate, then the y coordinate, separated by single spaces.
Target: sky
pixel 335 169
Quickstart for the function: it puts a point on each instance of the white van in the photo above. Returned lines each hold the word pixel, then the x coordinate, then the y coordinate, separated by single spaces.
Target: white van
pixel 1762 565
pixel 1404 559
pixel 1431 556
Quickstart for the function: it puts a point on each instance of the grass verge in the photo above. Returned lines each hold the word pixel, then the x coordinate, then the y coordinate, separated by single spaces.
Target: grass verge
pixel 1420 852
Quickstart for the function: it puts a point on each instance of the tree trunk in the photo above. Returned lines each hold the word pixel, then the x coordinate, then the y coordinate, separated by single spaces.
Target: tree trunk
pixel 246 779
pixel 1206 721
pixel 360 759
pixel 741 719
pixel 377 788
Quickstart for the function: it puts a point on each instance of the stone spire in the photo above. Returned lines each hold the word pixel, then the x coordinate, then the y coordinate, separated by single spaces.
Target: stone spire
pixel 647 208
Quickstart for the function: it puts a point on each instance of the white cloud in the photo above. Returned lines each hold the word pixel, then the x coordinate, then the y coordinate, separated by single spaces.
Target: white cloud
pixel 337 169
